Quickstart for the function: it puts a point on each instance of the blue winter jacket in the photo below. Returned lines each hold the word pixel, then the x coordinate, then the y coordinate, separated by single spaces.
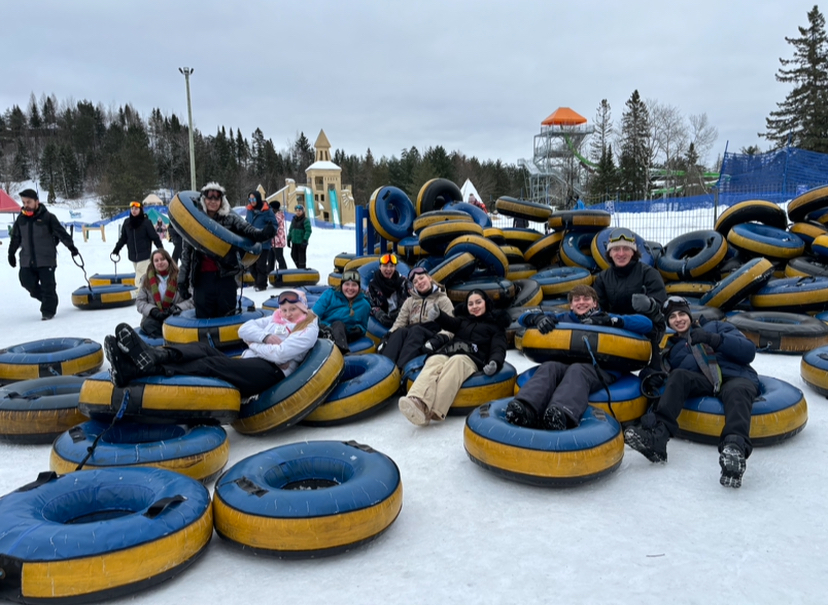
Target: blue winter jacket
pixel 733 355
pixel 333 306
pixel 632 323
pixel 260 218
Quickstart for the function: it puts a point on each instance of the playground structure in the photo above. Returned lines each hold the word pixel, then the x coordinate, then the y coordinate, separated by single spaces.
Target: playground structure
pixel 558 171
pixel 323 195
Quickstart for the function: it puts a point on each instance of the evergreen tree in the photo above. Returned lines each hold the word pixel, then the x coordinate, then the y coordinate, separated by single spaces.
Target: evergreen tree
pixel 603 131
pixel 22 163
pixel 604 183
pixel 49 166
pixel 49 112
pixel 71 179
pixel 17 121
pixel 440 162
pixel 303 156
pixel 635 149
pixel 130 173
pixel 34 113
pixel 803 115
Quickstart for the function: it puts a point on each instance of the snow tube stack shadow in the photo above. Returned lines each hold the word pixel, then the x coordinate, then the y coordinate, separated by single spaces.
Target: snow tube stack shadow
pixel 814 370
pixel 291 278
pixel 206 235
pixel 112 279
pixel 614 349
pixel 50 357
pixel 739 285
pixel 779 413
pixel 392 213
pixel 435 194
pixel 296 396
pixel 172 399
pixel 199 452
pixel 545 458
pixel 774 332
pixel 218 332
pixel 37 411
pixel 104 297
pixel 308 499
pixel 691 255
pixel 100 534
pixel 367 384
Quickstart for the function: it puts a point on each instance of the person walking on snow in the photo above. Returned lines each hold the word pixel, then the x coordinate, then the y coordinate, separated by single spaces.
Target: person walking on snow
pixel 298 236
pixel 138 235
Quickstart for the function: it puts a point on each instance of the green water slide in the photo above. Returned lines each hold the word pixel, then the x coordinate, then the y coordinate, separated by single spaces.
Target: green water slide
pixel 589 165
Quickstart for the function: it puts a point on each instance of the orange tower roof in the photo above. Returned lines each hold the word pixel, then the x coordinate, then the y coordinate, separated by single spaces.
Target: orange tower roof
pixel 564 116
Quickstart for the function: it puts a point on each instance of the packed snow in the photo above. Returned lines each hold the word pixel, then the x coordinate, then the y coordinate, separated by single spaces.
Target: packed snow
pixel 644 534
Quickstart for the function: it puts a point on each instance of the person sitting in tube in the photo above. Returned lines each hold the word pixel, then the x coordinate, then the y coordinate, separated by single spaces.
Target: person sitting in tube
pixel 557 395
pixel 343 312
pixel 387 291
pixel 158 297
pixel 277 344
pixel 704 358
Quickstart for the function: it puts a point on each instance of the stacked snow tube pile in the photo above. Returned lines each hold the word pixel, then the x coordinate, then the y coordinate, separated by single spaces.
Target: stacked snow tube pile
pixel 37 411
pixel 104 297
pixel 50 357
pixel 308 499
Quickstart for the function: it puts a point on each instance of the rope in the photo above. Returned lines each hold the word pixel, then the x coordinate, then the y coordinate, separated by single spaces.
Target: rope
pixel 600 372
pixel 120 414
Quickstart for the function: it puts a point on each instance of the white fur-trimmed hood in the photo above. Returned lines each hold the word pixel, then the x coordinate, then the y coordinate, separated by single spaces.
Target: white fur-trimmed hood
pixel 224 209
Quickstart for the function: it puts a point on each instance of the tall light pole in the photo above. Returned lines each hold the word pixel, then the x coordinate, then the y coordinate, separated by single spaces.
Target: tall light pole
pixel 187 71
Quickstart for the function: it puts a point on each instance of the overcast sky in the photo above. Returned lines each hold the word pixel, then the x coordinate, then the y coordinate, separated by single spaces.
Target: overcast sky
pixel 477 76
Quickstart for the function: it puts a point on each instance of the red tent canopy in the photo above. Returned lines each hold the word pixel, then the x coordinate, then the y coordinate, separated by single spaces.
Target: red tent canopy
pixel 7 204
pixel 564 116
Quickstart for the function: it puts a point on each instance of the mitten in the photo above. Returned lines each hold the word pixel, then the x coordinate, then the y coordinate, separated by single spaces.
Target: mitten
pixel 12 260
pixel 490 368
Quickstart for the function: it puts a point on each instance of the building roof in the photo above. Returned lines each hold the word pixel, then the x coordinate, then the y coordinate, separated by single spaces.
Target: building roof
pixel 564 116
pixel 322 141
pixel 323 165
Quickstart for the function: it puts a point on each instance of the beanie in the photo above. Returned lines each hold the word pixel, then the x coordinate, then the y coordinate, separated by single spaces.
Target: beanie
pixel 676 303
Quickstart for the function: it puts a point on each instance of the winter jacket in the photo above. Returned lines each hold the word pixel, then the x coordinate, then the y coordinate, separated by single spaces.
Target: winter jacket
pixel 191 258
pixel 377 297
pixel 616 285
pixel 300 230
pixel 293 348
pixel 145 303
pixel 138 239
pixel 420 309
pixel 733 355
pixel 280 239
pixel 333 306
pixel 484 335
pixel 37 236
pixel 260 218
pixel 633 323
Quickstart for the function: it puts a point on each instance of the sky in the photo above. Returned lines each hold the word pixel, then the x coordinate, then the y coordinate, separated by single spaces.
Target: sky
pixel 475 76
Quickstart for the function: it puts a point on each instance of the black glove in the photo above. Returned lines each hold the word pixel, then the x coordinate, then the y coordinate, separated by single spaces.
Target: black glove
pixel 435 343
pixel 382 317
pixel 546 324
pixel 268 233
pixel 175 310
pixel 354 332
pixel 184 291
pixel 643 304
pixel 74 250
pixel 700 335
pixel 155 313
pixel 603 320
pixel 12 260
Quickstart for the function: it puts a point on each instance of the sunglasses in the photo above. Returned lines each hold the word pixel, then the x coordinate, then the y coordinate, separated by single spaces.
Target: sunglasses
pixel 251 199
pixel 622 235
pixel 416 271
pixel 674 300
pixel 289 297
pixel 213 196
pixel 388 258
pixel 135 204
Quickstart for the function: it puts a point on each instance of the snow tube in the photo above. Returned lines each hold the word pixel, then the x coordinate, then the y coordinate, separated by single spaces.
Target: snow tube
pixel 808 231
pixel 543 252
pixel 341 260
pixel 477 389
pixel 206 235
pixel 739 285
pixel 568 219
pixel 153 342
pixel 528 293
pixel 290 278
pixel 530 211
pixel 598 249
pixel 761 240
pixel 478 215
pixel 810 201
pixel 435 238
pixel 440 216
pixel 513 254
pixel 308 499
pixel 501 291
pixel 362 346
pixel 104 297
pixel 545 458
pixel 759 211
pixel 792 294
pixel 576 250
pixel 454 269
pixel 367 384
pixel 779 413
pixel 487 253
pixel 814 370
pixel 172 399
pixel 689 289
pixel 804 266
pixel 819 247
pixel 50 357
pixel 554 282
pixel 218 332
pixel 37 411
pixel 435 194
pixel 199 452
pixel 112 279
pixel 520 271
pixel 613 349
pixel 409 248
pixel 774 332
pixel 521 238
pixel 101 534
pixel 692 254
pixel 391 212
pixel 496 235
pixel 296 396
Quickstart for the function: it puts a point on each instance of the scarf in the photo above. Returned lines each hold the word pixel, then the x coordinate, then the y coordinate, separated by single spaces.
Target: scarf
pixel 705 357
pixel 169 295
pixel 388 285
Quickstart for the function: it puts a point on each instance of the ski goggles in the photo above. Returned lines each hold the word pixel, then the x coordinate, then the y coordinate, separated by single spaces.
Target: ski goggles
pixel 289 297
pixel 135 204
pixel 212 195
pixel 416 271
pixel 674 300
pixel 388 258
pixel 622 235
pixel 350 276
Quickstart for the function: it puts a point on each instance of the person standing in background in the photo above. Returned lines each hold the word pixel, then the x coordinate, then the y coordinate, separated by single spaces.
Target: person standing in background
pixel 36 232
pixel 138 235
pixel 259 215
pixel 279 240
pixel 298 236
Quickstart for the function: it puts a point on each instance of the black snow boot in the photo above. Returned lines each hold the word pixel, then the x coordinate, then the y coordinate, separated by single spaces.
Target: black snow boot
pixel 145 357
pixel 122 370
pixel 554 419
pixel 520 414
pixel 649 438
pixel 733 463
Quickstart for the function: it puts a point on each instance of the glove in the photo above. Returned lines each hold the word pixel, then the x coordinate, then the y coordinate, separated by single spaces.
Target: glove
pixel 546 324
pixel 490 368
pixel 12 260
pixel 643 304
pixel 354 332
pixel 433 313
pixel 74 250
pixel 155 313
pixel 435 343
pixel 184 292
pixel 175 310
pixel 700 335
pixel 604 320
pixel 381 316
pixel 267 233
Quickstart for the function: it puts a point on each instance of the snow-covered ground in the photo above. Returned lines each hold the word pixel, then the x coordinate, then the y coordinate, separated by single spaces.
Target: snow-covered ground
pixel 645 534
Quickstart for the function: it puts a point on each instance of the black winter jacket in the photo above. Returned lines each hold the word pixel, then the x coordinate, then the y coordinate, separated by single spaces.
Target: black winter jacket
pixel 37 237
pixel 485 335
pixel 138 239
pixel 616 285
pixel 733 355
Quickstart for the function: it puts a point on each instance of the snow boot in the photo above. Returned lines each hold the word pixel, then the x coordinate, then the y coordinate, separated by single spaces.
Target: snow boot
pixel 649 438
pixel 520 414
pixel 122 370
pixel 145 357
pixel 554 419
pixel 415 410
pixel 733 463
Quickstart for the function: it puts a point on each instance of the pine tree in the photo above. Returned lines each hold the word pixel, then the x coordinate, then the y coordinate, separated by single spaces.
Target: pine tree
pixel 803 115
pixel 634 163
pixel 604 183
pixel 603 131
pixel 34 113
pixel 49 112
pixel 49 166
pixel 22 170
pixel 71 180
